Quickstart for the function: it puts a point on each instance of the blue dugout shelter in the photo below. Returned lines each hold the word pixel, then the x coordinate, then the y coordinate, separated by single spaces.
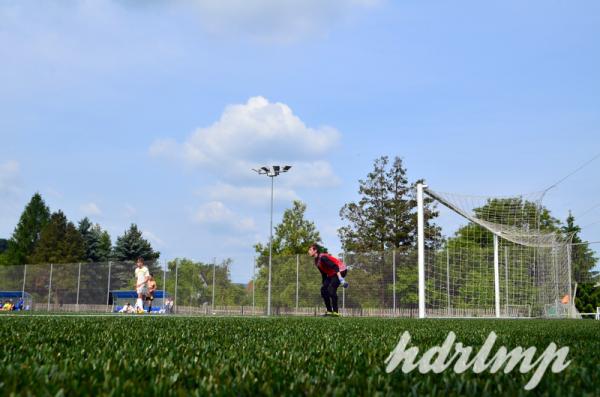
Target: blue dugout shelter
pixel 120 299
pixel 15 296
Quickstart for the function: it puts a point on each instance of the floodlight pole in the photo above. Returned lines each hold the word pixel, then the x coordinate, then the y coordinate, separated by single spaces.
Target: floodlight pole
pixel 270 250
pixel 271 172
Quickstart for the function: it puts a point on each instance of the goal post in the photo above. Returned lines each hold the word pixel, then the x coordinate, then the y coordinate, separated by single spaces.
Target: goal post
pixel 498 257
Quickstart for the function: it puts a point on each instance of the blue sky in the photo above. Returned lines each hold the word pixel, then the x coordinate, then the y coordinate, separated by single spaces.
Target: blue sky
pixel 156 113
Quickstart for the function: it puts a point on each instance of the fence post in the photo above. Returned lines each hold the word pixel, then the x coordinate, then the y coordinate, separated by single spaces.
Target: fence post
pixel 343 289
pixel 213 284
pixel 24 278
pixel 569 265
pixel 49 287
pixel 176 274
pixel 506 276
pixel 496 277
pixel 394 280
pixel 78 282
pixel 164 284
pixel 297 279
pixel 448 277
pixel 108 286
pixel 253 285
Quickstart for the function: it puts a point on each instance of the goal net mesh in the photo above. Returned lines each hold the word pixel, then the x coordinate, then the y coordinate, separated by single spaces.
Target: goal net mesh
pixel 496 249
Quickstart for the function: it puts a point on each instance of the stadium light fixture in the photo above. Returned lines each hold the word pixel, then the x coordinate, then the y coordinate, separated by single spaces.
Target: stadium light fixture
pixel 271 172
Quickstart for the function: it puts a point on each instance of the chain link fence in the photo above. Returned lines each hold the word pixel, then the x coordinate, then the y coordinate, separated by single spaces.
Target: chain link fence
pixel 381 284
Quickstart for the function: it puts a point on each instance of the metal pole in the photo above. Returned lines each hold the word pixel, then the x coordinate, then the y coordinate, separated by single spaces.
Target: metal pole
pixel 421 249
pixel 50 286
pixel 270 252
pixel 506 276
pixel 176 274
pixel 164 284
pixel 448 277
pixel 343 290
pixel 78 284
pixel 253 286
pixel 213 286
pixel 24 278
pixel 571 297
pixel 554 265
pixel 108 285
pixel 394 280
pixel 297 279
pixel 496 277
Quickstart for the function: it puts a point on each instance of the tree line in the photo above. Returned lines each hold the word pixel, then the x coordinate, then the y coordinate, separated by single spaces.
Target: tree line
pixel 42 236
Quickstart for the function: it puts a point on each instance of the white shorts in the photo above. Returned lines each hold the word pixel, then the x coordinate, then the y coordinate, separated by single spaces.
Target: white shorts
pixel 142 290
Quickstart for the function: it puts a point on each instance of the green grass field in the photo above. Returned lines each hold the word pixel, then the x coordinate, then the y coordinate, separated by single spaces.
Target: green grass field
pixel 72 355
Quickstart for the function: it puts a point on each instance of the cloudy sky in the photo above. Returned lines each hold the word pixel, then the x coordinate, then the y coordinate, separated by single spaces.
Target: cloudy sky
pixel 155 112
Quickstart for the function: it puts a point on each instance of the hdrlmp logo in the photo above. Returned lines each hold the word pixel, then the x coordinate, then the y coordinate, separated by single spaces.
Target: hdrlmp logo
pixel 479 363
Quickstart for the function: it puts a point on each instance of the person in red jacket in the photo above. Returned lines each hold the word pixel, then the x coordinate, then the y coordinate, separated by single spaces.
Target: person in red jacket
pixel 333 272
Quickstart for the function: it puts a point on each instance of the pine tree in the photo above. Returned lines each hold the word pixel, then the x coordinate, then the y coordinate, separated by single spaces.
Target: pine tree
pixel 97 241
pixel 385 216
pixel 583 259
pixel 128 247
pixel 27 232
pixel 131 245
pixel 104 250
pixel 60 242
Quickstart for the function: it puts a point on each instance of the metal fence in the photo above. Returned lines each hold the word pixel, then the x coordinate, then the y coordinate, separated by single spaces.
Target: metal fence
pixel 205 288
pixel 381 284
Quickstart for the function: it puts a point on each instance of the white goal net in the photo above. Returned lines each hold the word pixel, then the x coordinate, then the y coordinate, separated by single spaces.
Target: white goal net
pixel 496 257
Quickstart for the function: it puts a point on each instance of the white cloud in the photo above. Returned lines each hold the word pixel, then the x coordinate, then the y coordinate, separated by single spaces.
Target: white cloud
pixel 311 175
pixel 216 214
pixel 52 192
pixel 274 20
pixel 153 238
pixel 89 209
pixel 9 178
pixel 257 196
pixel 253 134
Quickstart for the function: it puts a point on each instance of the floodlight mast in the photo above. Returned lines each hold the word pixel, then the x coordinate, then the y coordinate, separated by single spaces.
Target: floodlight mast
pixel 271 172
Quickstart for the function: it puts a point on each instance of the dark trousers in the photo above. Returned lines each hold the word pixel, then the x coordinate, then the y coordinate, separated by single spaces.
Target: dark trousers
pixel 329 291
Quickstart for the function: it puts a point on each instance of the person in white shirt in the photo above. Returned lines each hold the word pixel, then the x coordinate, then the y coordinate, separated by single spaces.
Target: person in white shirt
pixel 127 308
pixel 141 285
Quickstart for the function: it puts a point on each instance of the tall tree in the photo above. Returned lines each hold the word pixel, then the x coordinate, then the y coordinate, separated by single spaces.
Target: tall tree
pixel 131 245
pixel 3 254
pixel 60 242
pixel 293 235
pixel 27 232
pixel 128 247
pixel 583 259
pixel 385 216
pixel 97 241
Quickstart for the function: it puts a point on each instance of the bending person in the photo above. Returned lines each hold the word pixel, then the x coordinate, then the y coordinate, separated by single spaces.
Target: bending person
pixel 333 272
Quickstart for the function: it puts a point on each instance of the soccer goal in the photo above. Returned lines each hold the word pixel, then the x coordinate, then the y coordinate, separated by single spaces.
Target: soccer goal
pixel 490 257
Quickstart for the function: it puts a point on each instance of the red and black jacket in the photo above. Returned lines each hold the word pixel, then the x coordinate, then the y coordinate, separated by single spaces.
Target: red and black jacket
pixel 329 265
